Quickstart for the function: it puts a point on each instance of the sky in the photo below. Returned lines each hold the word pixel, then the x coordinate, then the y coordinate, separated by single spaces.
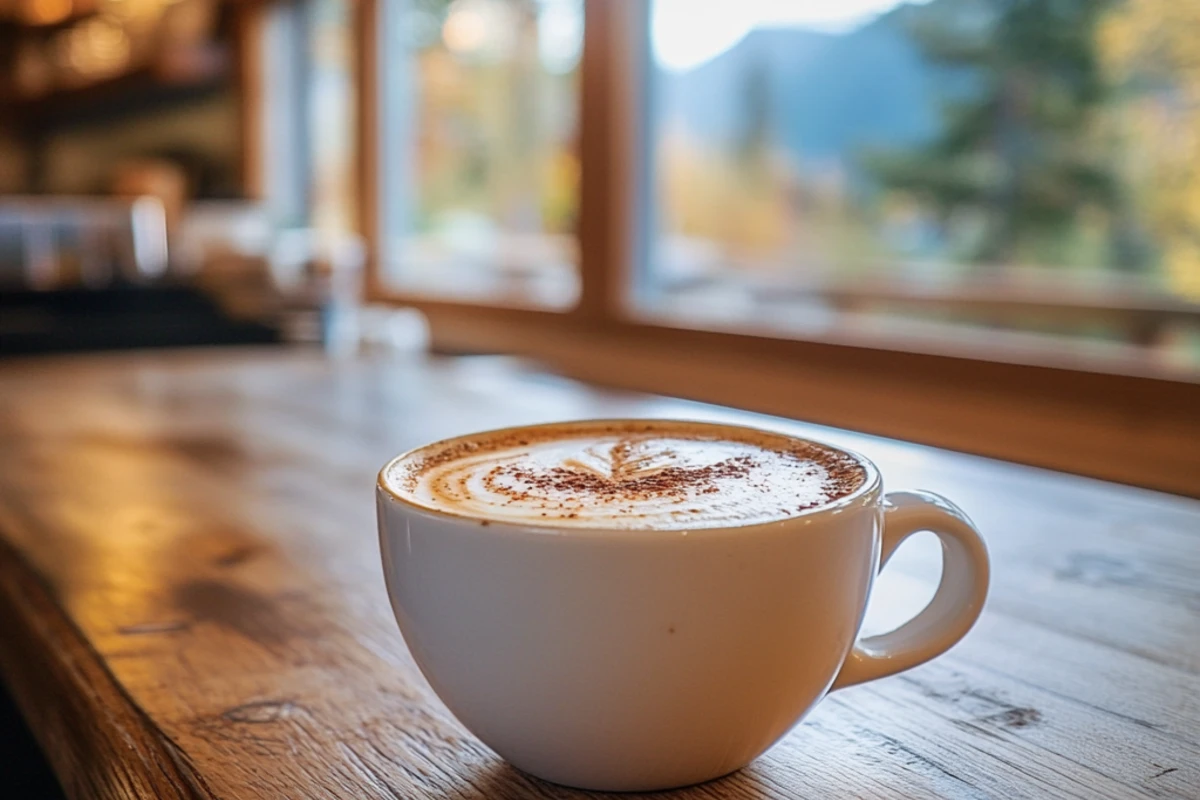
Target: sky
pixel 686 33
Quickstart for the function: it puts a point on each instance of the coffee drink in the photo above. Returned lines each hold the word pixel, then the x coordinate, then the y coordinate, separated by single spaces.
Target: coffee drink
pixel 637 605
pixel 628 474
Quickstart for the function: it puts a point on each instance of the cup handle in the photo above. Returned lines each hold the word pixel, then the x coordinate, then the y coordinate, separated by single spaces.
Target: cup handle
pixel 954 607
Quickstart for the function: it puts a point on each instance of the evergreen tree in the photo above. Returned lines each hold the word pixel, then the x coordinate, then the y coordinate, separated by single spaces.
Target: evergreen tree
pixel 1013 151
pixel 754 138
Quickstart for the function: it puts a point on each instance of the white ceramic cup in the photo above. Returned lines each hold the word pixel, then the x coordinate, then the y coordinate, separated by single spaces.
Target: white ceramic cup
pixel 648 659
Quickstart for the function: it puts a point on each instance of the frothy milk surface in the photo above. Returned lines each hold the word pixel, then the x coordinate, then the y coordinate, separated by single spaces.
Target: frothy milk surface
pixel 650 475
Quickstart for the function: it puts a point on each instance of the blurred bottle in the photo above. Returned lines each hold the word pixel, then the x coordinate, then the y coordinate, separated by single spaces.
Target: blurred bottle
pixel 320 280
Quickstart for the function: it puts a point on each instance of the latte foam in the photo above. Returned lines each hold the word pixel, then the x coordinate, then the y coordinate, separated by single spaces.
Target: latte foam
pixel 634 474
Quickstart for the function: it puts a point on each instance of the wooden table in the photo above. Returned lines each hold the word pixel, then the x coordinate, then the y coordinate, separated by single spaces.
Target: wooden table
pixel 191 603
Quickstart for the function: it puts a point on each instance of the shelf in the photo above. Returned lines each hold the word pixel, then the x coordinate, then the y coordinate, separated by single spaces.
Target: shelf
pixel 186 79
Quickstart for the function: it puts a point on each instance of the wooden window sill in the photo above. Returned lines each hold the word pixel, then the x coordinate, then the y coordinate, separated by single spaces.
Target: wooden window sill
pixel 1136 423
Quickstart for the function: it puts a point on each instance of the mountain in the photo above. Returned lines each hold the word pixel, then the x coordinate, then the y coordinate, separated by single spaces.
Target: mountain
pixel 707 100
pixel 829 95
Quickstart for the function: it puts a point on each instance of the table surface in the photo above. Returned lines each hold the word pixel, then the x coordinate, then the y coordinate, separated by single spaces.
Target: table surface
pixel 191 602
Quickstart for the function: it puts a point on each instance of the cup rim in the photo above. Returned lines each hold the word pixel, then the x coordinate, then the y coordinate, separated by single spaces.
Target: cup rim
pixel 870 487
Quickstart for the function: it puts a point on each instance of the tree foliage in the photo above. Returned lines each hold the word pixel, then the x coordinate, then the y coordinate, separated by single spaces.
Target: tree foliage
pixel 1014 153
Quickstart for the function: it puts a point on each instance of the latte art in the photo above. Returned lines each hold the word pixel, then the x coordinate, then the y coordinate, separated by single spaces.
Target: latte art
pixel 659 475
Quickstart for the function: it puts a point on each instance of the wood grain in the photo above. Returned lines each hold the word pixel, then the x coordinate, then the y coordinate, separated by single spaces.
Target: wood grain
pixel 191 603
pixel 118 752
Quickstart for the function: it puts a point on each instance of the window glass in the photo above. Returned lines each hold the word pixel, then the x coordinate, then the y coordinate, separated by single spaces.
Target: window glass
pixel 1022 172
pixel 480 103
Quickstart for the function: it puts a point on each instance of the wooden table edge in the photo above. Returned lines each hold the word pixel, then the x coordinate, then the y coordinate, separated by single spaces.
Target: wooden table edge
pixel 97 740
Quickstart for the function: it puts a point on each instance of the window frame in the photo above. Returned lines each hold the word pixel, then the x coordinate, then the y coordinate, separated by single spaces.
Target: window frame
pixel 1117 419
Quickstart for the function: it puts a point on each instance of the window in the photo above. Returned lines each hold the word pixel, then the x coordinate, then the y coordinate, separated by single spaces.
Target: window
pixel 986 211
pixel 330 108
pixel 479 106
pixel 1022 173
pixel 307 131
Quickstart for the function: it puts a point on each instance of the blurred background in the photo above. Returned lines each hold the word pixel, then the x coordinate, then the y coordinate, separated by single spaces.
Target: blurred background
pixel 1008 172
pixel 161 163
pixel 663 194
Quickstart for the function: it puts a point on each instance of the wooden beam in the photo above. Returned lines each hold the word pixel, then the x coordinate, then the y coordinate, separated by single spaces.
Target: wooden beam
pixel 249 30
pixel 609 148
